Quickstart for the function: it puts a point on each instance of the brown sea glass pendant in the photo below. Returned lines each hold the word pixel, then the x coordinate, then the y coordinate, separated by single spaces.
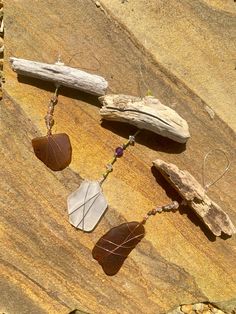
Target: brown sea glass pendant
pixel 113 248
pixel 54 150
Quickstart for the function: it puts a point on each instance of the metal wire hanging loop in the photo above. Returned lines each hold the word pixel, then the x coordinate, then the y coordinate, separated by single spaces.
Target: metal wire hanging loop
pixel 206 186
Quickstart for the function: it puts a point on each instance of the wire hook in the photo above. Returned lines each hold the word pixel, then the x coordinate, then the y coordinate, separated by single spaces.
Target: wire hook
pixel 206 186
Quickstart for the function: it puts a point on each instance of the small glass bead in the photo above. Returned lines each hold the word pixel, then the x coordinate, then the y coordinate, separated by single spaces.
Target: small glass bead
pixel 159 209
pixel 119 151
pixel 109 167
pixel 132 139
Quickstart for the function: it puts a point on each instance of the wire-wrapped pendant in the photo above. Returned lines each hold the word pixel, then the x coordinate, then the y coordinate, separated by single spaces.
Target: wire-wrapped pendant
pixel 86 205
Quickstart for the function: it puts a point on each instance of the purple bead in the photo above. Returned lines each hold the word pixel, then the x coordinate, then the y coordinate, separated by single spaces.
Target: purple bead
pixel 119 151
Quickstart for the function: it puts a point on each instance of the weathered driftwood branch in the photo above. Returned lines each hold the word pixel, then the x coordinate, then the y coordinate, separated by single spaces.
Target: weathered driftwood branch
pixel 62 75
pixel 194 195
pixel 145 113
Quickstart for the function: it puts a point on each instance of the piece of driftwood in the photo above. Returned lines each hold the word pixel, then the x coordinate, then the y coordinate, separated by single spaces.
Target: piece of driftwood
pixel 61 75
pixel 145 113
pixel 195 196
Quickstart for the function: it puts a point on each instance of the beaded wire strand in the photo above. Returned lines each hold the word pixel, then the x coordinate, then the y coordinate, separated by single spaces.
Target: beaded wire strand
pixel 119 151
pixel 167 208
pixel 49 120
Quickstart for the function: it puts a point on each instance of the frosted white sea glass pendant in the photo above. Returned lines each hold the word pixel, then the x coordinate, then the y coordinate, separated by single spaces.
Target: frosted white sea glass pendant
pixel 86 205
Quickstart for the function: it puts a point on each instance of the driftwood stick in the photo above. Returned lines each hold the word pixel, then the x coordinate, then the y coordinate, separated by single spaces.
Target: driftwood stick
pixel 195 196
pixel 146 113
pixel 61 75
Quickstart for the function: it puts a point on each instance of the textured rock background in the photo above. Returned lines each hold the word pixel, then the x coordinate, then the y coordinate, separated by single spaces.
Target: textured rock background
pixel 46 265
pixel 193 40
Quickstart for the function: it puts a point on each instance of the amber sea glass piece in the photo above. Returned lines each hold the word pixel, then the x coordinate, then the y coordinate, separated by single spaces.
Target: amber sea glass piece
pixel 113 248
pixel 53 150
